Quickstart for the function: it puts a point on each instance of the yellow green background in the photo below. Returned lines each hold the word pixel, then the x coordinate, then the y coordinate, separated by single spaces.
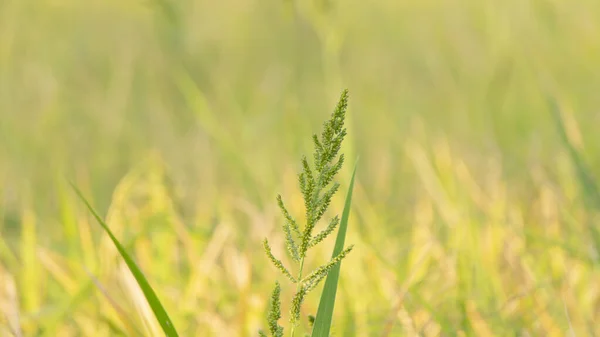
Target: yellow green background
pixel 182 120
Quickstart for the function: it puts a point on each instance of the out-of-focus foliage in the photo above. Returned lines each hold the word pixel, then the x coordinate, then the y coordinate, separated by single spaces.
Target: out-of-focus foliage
pixel 182 120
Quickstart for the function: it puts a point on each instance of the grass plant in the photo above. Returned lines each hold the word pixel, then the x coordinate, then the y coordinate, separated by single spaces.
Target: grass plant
pixel 318 187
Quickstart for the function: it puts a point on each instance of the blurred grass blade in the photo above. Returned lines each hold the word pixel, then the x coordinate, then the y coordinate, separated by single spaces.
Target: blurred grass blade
pixel 324 317
pixel 31 282
pixel 159 312
pixel 588 183
pixel 591 193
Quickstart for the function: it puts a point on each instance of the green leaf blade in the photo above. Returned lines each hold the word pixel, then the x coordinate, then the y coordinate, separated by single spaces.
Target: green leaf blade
pixel 324 317
pixel 159 311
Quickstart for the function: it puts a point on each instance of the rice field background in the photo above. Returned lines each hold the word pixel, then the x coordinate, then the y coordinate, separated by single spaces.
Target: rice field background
pixel 476 207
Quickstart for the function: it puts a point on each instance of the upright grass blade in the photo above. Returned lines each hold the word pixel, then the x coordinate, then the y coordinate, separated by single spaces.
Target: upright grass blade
pixel 159 312
pixel 30 279
pixel 591 190
pixel 324 317
pixel 584 173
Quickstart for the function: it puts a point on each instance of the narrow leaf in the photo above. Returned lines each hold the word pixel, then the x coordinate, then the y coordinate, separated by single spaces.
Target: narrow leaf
pixel 159 312
pixel 584 173
pixel 324 317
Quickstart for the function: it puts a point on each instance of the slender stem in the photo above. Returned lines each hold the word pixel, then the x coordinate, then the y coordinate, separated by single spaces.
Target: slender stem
pixel 298 288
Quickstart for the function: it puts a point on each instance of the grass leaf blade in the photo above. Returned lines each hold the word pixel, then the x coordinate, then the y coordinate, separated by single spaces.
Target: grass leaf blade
pixel 591 192
pixel 324 317
pixel 159 312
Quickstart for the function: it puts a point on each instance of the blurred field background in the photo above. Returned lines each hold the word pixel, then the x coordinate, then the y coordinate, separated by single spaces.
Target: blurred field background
pixel 182 120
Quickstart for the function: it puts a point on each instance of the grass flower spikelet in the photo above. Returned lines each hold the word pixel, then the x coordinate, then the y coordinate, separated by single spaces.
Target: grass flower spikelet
pixel 275 312
pixel 277 263
pixel 325 233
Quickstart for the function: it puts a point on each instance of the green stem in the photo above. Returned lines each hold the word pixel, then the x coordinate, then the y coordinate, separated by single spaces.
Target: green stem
pixel 298 289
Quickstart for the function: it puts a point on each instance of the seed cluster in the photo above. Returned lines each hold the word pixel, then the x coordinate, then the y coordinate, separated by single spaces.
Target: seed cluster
pixel 317 187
